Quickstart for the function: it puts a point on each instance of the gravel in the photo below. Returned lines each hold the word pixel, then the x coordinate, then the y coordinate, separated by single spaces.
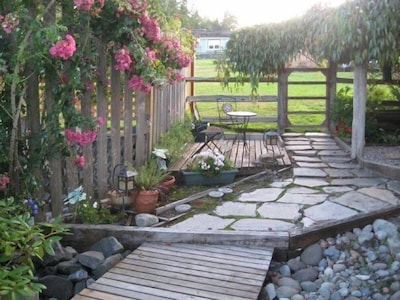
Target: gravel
pixel 389 155
pixel 362 264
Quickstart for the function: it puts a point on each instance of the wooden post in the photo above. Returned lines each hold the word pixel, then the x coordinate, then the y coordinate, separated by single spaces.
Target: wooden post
pixel 128 120
pixel 102 158
pixel 359 107
pixel 142 127
pixel 115 116
pixel 283 120
pixel 331 89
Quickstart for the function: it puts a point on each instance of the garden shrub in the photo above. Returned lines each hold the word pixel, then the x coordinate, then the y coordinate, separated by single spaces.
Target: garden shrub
pixel 21 243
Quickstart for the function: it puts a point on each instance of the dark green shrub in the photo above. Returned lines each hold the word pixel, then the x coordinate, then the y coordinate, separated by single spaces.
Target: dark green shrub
pixel 21 242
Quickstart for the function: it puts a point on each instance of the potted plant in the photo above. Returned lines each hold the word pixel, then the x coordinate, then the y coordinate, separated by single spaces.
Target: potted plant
pixel 147 181
pixel 208 168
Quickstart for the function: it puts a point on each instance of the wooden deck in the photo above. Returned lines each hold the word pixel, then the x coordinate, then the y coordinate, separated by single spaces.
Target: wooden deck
pixel 245 158
pixel 184 271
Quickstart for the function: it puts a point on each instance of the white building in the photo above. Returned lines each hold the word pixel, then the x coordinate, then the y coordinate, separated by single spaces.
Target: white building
pixel 210 43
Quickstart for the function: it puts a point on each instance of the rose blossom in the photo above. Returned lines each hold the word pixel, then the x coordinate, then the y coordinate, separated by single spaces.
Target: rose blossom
pixel 64 48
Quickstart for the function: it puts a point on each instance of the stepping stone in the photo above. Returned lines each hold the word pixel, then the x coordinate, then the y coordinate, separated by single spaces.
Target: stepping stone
pixel 364 173
pixel 281 184
pixel 337 189
pixel 339 173
pixel 329 211
pixel 301 190
pixel 306 152
pixel 310 182
pixel 380 194
pixel 360 202
pixel 332 153
pixel 360 182
pixel 236 209
pixel 203 222
pixel 344 166
pixel 282 211
pixel 394 186
pixel 308 172
pixel 315 135
pixel 297 142
pixel 311 164
pixel 298 148
pixel 333 159
pixel 297 158
pixel 261 195
pixel 326 147
pixel 305 199
pixel 262 225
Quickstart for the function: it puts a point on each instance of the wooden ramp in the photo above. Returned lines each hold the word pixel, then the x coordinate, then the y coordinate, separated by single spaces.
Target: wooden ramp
pixel 184 271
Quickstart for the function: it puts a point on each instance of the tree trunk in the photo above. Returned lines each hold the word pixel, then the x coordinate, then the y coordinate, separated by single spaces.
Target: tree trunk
pixel 359 110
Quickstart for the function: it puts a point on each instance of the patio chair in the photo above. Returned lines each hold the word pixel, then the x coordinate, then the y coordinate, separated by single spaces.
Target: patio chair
pixel 225 104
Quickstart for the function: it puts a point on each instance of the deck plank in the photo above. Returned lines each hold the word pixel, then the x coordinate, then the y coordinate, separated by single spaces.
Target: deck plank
pixel 184 271
pixel 247 160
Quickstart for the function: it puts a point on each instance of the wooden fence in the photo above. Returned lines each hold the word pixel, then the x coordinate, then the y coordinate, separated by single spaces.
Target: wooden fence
pixel 282 98
pixel 135 122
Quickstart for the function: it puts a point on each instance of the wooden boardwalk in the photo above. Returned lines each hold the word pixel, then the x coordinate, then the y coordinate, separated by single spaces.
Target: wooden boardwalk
pixel 184 271
pixel 245 158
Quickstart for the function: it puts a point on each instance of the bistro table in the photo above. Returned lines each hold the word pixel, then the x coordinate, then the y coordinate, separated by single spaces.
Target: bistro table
pixel 240 119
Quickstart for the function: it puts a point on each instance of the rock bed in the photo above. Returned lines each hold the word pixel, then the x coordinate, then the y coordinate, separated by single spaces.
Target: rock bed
pixel 362 264
pixel 69 272
pixel 383 154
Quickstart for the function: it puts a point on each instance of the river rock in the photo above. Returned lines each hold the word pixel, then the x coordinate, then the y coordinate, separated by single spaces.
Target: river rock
pixel 312 255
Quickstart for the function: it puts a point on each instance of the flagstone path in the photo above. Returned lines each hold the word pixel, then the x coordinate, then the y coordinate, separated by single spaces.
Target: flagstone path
pixel 326 186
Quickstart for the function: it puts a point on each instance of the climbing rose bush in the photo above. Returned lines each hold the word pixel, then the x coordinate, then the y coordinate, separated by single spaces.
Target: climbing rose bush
pixel 64 48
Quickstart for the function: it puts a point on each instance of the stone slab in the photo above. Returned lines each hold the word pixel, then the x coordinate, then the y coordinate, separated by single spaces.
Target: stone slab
pixel 306 152
pixel 335 159
pixel 297 142
pixel 332 153
pixel 325 147
pixel 329 211
pixel 236 209
pixel 298 158
pixel 298 147
pixel 264 225
pixel 311 164
pixel 281 211
pixel 337 189
pixel 344 165
pixel 308 172
pixel 364 173
pixel 339 173
pixel 310 182
pixel 394 186
pixel 380 194
pixel 305 199
pixel 360 182
pixel 261 195
pixel 360 202
pixel 301 190
pixel 281 184
pixel 203 222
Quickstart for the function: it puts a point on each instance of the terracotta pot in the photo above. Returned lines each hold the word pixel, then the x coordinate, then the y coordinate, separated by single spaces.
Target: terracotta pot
pixel 146 201
pixel 168 183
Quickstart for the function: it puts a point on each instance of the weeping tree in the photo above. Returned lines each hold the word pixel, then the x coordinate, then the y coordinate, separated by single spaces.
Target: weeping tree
pixel 357 31
pixel 261 51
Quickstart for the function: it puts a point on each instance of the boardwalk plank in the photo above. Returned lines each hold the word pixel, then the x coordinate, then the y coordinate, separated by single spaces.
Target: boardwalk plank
pixel 184 271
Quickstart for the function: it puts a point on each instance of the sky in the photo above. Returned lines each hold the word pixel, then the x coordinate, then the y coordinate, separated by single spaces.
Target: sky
pixel 253 12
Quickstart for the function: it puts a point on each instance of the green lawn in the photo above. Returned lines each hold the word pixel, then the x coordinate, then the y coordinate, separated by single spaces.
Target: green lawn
pixel 206 68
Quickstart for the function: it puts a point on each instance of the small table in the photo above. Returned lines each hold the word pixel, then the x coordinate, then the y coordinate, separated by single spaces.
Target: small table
pixel 211 133
pixel 240 119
